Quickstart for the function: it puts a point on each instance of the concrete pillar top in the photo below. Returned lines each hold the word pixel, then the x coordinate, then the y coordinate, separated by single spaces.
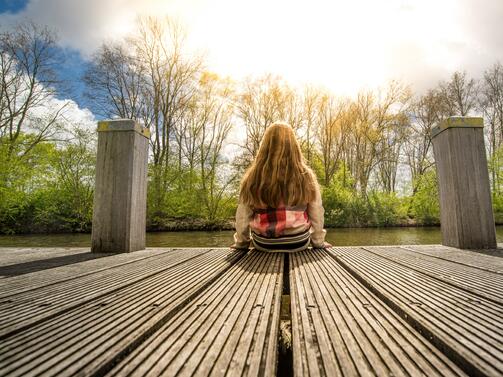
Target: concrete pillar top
pixel 122 125
pixel 457 122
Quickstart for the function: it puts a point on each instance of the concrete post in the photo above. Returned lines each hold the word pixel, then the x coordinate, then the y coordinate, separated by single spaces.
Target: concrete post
pixel 120 196
pixel 466 215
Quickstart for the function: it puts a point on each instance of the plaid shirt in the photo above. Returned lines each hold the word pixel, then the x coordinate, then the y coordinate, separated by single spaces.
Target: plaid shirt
pixel 277 222
pixel 271 222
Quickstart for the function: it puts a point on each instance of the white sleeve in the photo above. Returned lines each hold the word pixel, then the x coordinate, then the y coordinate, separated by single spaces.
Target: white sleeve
pixel 242 236
pixel 315 212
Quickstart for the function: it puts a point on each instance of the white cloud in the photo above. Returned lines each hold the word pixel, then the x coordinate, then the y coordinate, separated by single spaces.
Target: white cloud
pixel 84 25
pixel 343 45
pixel 71 116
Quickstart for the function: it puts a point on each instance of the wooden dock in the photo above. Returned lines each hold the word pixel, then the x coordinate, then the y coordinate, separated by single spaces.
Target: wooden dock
pixel 351 311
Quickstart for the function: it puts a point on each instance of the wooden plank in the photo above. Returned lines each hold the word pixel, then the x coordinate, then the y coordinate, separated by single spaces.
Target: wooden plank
pixel 341 329
pixel 46 264
pixel 482 283
pixel 465 326
pixel 35 280
pixel 489 260
pixel 88 339
pixel 230 329
pixel 16 255
pixel 27 308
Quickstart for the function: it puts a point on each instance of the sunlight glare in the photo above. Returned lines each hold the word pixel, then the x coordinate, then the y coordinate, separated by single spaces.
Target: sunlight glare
pixel 341 45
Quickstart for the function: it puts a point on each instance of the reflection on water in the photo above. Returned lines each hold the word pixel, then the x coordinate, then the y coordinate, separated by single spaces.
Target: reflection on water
pixel 337 237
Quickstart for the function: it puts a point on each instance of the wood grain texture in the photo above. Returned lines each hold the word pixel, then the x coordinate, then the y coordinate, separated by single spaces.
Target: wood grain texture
pixel 466 215
pixel 486 284
pixel 20 311
pixel 411 310
pixel 463 325
pixel 119 214
pixel 36 280
pixel 341 329
pixel 488 260
pixel 89 338
pixel 16 255
pixel 230 329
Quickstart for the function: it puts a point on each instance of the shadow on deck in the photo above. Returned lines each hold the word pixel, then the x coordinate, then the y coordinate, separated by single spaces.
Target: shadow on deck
pixel 50 262
pixel 380 310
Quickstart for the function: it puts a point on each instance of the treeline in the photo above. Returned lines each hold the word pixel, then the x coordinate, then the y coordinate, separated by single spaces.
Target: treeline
pixel 372 153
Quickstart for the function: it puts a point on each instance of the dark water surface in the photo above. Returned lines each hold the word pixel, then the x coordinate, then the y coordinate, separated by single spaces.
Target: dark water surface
pixel 337 237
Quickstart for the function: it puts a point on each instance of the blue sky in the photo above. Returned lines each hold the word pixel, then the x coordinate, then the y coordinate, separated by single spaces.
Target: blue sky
pixel 342 45
pixel 73 66
pixel 12 6
pixel 71 72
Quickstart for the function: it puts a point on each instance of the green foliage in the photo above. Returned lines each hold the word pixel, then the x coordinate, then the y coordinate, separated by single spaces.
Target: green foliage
pixel 495 165
pixel 186 202
pixel 14 211
pixel 387 209
pixel 316 164
pixel 343 205
pixel 346 207
pixel 229 207
pixel 184 199
pixel 48 190
pixel 51 190
pixel 21 177
pixel 498 208
pixel 424 205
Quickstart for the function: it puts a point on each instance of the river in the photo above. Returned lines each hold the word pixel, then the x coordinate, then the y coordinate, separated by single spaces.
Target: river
pixel 337 237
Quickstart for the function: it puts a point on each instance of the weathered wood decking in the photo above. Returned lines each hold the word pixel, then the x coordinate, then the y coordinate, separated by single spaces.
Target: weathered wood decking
pixel 395 310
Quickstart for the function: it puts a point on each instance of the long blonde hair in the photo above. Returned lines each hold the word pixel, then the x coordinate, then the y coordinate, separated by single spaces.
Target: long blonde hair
pixel 278 175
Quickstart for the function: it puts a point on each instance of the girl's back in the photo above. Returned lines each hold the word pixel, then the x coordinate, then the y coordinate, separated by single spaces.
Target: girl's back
pixel 279 198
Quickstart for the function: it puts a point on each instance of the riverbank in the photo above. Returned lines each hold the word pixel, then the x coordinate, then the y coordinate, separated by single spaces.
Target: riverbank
pixel 187 224
pixel 201 225
pixel 194 224
pixel 336 236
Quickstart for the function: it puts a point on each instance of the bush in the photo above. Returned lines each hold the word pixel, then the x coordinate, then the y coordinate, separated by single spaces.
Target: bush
pixel 344 206
pixel 387 209
pixel 424 205
pixel 498 208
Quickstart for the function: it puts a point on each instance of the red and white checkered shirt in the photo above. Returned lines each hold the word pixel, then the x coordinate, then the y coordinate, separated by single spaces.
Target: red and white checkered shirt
pixel 277 222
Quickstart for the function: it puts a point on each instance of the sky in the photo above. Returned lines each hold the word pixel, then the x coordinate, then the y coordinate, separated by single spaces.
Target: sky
pixel 343 46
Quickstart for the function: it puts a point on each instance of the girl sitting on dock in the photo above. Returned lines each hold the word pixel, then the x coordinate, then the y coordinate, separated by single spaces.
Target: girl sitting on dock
pixel 279 198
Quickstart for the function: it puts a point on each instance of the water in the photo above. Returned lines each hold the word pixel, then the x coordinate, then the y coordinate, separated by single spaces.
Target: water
pixel 337 237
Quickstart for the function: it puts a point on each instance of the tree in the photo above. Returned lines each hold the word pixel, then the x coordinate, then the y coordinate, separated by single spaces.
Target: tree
pixel 28 81
pixel 75 171
pixel 201 133
pixel 333 119
pixel 170 85
pixel 361 153
pixel 153 81
pixel 491 104
pixel 425 113
pixel 116 83
pixel 260 103
pixel 211 138
pixel 310 100
pixel 392 121
pixel 459 94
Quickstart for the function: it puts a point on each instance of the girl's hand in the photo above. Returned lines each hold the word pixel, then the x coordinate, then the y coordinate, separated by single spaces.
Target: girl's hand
pixel 325 245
